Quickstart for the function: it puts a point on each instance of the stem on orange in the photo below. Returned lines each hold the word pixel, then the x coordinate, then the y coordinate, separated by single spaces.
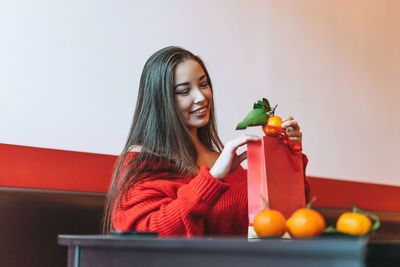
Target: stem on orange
pixel 266 203
pixel 309 204
pixel 273 110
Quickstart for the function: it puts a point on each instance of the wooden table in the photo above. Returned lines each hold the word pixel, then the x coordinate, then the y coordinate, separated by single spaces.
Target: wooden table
pixel 96 250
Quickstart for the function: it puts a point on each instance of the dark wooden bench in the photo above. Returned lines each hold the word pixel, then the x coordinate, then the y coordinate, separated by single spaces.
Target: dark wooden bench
pixel 31 220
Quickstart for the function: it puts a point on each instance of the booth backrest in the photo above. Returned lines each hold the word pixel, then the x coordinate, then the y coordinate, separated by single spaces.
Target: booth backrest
pixel 32 219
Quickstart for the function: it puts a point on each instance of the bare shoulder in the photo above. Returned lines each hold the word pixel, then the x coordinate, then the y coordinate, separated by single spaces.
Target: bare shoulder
pixel 135 148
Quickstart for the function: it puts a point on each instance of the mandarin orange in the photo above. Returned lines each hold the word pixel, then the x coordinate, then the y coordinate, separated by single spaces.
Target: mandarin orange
pixel 269 222
pixel 274 121
pixel 306 222
pixel 353 223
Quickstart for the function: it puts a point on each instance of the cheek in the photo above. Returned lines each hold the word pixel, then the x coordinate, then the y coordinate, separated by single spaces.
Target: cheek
pixel 209 96
pixel 182 103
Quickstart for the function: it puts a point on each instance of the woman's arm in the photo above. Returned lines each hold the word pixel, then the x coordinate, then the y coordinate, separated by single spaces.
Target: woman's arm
pixel 168 207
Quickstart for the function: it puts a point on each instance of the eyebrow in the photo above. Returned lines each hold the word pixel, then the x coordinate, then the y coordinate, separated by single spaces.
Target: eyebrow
pixel 187 83
pixel 180 84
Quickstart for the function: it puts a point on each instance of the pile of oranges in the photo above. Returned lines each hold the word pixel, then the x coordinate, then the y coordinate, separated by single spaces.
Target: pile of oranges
pixel 308 223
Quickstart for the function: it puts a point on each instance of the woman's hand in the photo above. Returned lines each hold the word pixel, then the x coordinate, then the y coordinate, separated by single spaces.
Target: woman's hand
pixel 292 129
pixel 228 160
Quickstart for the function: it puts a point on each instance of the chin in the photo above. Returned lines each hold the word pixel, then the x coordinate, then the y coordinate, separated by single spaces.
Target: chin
pixel 203 125
pixel 198 124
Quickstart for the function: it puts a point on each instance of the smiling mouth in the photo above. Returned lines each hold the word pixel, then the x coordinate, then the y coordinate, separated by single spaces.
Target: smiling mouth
pixel 199 111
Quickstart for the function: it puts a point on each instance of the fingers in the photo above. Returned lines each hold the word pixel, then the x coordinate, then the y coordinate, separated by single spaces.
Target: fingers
pixel 292 129
pixel 288 118
pixel 241 140
pixel 293 133
pixel 242 156
pixel 290 122
pixel 228 160
pixel 295 136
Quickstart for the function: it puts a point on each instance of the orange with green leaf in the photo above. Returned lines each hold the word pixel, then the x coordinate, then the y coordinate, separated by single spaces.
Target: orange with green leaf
pixel 263 115
pixel 358 222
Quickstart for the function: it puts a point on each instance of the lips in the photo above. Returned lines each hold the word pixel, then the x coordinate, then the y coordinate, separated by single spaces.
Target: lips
pixel 199 111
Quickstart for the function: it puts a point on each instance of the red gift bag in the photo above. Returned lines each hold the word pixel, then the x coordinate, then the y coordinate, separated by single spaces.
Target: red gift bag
pixel 276 173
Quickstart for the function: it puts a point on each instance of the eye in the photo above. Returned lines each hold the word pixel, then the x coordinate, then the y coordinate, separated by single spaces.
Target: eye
pixel 182 91
pixel 203 84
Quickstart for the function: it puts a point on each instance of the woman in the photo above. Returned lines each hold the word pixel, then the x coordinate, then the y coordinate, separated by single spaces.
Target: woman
pixel 174 176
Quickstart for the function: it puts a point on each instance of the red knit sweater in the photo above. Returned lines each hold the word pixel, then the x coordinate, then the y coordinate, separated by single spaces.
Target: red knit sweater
pixel 197 205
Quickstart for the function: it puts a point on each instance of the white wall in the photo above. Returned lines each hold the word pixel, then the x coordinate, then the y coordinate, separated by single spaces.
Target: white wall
pixel 69 72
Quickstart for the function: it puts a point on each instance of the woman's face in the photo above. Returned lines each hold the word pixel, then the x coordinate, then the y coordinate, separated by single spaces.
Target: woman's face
pixel 193 96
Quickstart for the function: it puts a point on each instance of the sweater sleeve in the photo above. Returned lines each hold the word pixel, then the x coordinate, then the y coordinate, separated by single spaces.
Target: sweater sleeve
pixel 170 210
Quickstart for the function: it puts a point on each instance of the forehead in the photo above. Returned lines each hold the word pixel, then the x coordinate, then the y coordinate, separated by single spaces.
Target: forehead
pixel 188 70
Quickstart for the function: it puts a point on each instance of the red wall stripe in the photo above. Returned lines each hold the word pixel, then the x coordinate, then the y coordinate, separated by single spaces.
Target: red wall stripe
pixel 31 167
pixel 339 193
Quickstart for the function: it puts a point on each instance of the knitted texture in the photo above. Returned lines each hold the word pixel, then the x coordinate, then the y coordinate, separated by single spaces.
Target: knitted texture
pixel 197 205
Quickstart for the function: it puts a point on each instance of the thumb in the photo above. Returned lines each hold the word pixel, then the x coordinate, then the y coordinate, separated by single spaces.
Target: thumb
pixel 242 156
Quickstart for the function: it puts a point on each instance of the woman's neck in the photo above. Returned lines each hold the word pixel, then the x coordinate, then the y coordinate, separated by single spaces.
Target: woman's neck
pixel 205 156
pixel 197 143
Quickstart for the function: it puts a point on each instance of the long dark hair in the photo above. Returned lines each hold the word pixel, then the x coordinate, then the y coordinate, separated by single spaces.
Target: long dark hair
pixel 158 130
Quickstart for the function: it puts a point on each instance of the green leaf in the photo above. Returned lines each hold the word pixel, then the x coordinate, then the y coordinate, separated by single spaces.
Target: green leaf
pixel 265 105
pixel 377 223
pixel 258 105
pixel 255 117
pixel 330 230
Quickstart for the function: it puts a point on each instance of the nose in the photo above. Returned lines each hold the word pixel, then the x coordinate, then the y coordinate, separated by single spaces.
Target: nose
pixel 199 96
